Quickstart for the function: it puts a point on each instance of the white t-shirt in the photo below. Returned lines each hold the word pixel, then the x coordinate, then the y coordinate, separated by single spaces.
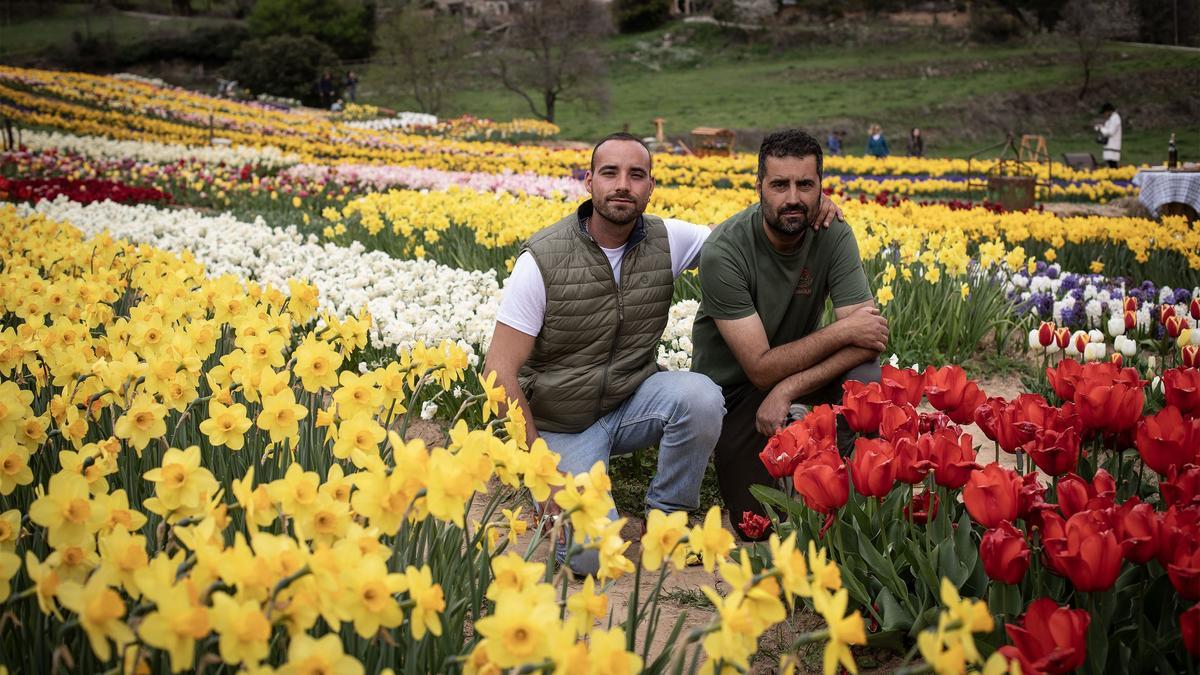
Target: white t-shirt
pixel 523 302
pixel 1112 129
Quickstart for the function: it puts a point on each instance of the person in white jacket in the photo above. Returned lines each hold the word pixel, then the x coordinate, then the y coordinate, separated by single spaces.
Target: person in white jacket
pixel 1109 134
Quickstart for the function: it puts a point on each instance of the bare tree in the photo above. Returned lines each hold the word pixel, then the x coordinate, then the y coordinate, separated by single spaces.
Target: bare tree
pixel 1091 23
pixel 551 53
pixel 427 51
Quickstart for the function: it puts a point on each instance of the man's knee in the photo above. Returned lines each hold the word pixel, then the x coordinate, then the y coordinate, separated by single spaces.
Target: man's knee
pixel 864 372
pixel 586 562
pixel 698 398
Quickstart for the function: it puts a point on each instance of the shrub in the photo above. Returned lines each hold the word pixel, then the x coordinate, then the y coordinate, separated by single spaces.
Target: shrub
pixel 636 16
pixel 345 26
pixel 282 66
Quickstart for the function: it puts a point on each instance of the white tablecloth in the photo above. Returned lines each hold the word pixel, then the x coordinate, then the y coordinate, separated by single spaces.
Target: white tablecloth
pixel 1164 187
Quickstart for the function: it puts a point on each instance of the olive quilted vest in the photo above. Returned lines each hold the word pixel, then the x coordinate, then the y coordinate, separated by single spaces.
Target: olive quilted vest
pixel 598 342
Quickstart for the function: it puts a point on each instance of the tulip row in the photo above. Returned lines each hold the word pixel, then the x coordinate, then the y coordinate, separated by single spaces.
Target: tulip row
pixel 90 104
pixel 1013 539
pixel 81 191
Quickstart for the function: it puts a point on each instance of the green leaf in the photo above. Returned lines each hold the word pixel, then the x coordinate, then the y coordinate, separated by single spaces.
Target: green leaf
pixel 773 498
pixel 895 616
pixel 882 567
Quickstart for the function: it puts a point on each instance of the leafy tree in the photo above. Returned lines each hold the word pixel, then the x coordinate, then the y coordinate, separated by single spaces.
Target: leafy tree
pixel 552 52
pixel 427 53
pixel 282 66
pixel 344 25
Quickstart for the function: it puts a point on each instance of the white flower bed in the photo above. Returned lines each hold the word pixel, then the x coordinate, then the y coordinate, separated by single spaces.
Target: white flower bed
pixel 96 147
pixel 409 300
pixel 403 120
pixel 381 177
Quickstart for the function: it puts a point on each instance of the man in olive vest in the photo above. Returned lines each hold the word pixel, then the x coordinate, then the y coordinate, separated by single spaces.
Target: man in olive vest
pixel 765 277
pixel 578 329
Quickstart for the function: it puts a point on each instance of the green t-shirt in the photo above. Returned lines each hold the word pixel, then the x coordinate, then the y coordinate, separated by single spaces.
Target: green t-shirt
pixel 742 274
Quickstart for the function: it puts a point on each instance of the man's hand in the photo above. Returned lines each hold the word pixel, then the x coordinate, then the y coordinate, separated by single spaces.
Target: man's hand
pixel 827 212
pixel 772 413
pixel 866 328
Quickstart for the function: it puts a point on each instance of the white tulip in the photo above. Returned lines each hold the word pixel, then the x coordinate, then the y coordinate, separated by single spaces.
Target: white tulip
pixel 1116 325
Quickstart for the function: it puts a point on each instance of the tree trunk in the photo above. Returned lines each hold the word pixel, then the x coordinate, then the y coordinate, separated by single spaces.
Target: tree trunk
pixel 550 98
pixel 1087 78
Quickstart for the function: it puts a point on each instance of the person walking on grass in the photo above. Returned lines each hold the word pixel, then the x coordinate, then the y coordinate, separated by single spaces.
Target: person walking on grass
pixel 1109 134
pixel 916 143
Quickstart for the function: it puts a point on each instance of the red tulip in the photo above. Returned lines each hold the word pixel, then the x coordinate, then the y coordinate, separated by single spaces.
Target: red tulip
pixel 932 421
pixel 1140 525
pixel 1194 308
pixel 1191 356
pixel 1032 499
pixel 780 455
pixel 899 421
pixel 992 495
pixel 821 423
pixel 1081 341
pixel 1117 358
pixel 1062 378
pixel 1046 334
pixel 862 406
pixel 1189 621
pixel 912 461
pixel 1055 452
pixel 1182 487
pixel 920 509
pixel 1182 387
pixel 987 415
pixel 1167 441
pixel 1130 304
pixel 1005 553
pixel 1052 639
pixel 822 482
pixel 949 390
pixel 1179 528
pixel 1130 317
pixel 1090 554
pixel 902 385
pixel 1165 312
pixel 753 526
pixel 952 455
pixel 872 468
pixel 1076 495
pixel 1114 409
pixel 1184 570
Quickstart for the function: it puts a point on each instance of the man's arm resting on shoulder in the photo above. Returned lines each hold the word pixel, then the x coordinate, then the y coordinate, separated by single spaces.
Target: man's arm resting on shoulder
pixel 509 350
pixel 856 326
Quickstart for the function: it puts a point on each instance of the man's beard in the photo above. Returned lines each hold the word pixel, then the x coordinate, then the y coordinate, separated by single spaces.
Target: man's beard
pixel 620 213
pixel 790 220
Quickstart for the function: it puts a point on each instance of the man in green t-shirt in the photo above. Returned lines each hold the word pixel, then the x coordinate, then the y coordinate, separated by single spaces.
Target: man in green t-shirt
pixel 765 274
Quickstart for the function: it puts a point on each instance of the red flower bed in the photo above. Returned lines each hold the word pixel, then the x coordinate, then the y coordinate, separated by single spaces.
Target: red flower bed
pixel 83 191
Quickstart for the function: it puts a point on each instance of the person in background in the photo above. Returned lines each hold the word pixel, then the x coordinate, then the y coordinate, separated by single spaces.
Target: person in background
pixel 834 142
pixel 1109 134
pixel 325 89
pixel 876 144
pixel 916 143
pixel 351 86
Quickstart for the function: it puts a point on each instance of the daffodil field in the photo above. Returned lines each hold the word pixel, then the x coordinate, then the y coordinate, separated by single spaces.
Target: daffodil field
pixel 221 321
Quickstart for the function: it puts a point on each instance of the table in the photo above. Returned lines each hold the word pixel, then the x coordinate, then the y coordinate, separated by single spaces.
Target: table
pixel 1160 188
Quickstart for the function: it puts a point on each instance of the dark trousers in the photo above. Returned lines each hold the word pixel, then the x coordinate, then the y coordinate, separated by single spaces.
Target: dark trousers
pixel 736 455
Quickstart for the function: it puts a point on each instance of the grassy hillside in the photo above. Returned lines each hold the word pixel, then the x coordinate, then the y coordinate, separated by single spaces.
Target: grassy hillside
pixel 964 96
pixel 25 37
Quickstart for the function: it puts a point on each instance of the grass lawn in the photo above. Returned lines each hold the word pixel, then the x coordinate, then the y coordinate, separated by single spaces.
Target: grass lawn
pixel 918 83
pixel 54 30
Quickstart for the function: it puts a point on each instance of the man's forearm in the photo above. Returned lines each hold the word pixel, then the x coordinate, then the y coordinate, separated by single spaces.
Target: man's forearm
pixel 821 374
pixel 798 356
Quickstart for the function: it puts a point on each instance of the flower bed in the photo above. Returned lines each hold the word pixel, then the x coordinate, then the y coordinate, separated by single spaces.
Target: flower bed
pixel 81 191
pixel 1027 547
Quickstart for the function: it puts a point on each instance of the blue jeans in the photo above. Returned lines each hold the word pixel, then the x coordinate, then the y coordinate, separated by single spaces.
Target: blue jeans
pixel 681 412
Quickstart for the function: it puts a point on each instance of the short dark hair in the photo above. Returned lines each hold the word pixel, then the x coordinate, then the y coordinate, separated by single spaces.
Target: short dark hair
pixel 1107 107
pixel 788 143
pixel 619 136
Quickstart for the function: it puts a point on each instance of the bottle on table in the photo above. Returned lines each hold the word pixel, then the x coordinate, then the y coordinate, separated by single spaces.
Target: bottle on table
pixel 1172 153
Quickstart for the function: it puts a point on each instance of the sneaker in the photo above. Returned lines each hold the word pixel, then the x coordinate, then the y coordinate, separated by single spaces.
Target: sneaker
pixel 796 412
